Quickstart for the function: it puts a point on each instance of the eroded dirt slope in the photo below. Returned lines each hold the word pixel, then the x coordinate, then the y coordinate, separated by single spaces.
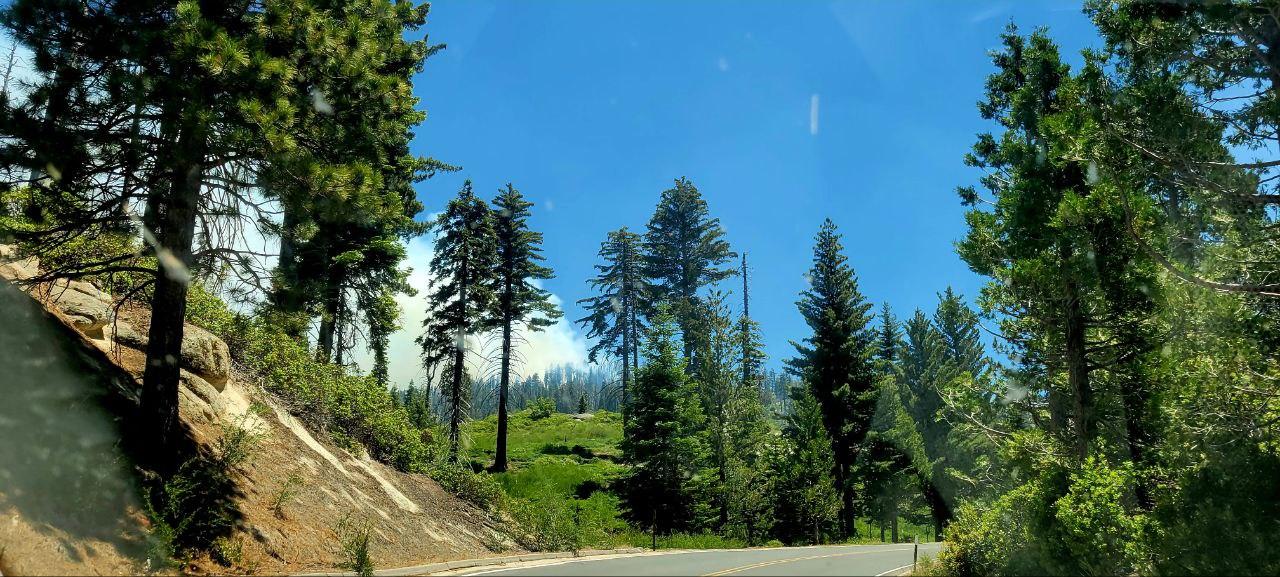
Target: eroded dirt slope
pixel 69 501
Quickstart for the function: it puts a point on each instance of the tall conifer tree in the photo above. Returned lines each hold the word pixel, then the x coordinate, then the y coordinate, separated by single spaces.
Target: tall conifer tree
pixel 836 361
pixel 614 317
pixel 461 295
pixel 662 442
pixel 685 250
pixel 518 302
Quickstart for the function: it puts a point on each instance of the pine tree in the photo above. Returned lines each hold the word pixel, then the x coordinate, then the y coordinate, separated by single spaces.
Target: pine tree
pixel 719 383
pixel 836 361
pixel 750 509
pixel 662 442
pixel 1073 292
pixel 614 319
pixel 807 504
pixel 417 403
pixel 924 371
pixel 340 252
pixel 518 303
pixel 685 250
pixel 895 465
pixel 750 343
pixel 957 325
pixel 889 339
pixel 461 295
pixel 158 114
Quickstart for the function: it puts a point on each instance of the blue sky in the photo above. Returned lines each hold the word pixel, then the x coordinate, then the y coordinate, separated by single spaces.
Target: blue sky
pixel 593 108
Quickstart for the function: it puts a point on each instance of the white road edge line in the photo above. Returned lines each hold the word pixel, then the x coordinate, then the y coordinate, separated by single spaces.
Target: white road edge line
pixel 894 570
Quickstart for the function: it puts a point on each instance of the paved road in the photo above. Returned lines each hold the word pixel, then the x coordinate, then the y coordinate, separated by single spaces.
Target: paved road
pixel 824 560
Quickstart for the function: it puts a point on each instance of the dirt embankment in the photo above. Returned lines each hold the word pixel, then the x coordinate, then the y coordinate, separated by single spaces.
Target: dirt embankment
pixel 69 497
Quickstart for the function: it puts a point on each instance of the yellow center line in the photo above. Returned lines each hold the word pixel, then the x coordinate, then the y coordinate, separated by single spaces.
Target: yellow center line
pixel 794 559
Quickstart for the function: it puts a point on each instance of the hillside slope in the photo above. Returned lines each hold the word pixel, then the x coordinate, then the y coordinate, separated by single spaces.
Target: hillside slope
pixel 70 497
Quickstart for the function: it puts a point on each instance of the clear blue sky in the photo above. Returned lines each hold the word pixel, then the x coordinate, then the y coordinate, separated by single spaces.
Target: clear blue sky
pixel 593 108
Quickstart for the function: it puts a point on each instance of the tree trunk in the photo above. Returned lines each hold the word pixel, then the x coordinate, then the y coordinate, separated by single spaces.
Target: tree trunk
pixel 329 317
pixel 455 415
pixel 159 398
pixel 939 509
pixel 1136 394
pixel 459 357
pixel 1078 372
pixel 500 458
pixel 626 353
pixel 894 524
pixel 846 498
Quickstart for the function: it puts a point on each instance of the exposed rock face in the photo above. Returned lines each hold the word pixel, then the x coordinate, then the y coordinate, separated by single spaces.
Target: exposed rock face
pixel 206 356
pixel 88 308
pixel 19 269
pixel 92 312
pixel 203 354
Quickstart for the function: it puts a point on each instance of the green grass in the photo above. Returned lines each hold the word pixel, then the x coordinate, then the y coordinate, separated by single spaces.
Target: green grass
pixel 559 473
pixel 634 538
pixel 869 532
pixel 528 438
pixel 563 475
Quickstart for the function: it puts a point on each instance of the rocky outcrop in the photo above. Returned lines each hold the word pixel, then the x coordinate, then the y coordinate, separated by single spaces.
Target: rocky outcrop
pixel 88 308
pixel 206 356
pixel 92 312
pixel 17 269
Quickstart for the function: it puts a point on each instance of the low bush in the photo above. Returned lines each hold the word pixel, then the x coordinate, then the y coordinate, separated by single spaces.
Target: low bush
pixel 541 408
pixel 355 410
pixel 477 488
pixel 354 537
pixel 194 509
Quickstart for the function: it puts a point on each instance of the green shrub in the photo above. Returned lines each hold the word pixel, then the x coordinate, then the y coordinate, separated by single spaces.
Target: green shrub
pixel 548 523
pixel 1097 529
pixel 228 552
pixel 541 408
pixel 477 488
pixel 356 411
pixel 237 444
pixel 195 508
pixel 354 537
pixel 287 491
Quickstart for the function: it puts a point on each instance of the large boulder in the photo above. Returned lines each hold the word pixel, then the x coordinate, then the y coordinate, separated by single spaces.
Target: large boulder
pixel 206 356
pixel 22 269
pixel 88 308
pixel 208 395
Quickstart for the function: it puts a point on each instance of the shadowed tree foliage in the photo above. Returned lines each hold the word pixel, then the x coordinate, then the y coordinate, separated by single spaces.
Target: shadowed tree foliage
pixel 662 442
pixel 807 504
pixel 167 122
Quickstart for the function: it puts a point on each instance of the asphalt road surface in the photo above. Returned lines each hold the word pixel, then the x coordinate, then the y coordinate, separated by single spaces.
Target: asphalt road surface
pixel 823 560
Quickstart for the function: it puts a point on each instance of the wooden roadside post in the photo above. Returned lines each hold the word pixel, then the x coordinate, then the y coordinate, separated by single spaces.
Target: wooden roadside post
pixel 915 553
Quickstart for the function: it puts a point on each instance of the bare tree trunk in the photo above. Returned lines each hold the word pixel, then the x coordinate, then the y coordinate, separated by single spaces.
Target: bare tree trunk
pixel 459 357
pixel 626 357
